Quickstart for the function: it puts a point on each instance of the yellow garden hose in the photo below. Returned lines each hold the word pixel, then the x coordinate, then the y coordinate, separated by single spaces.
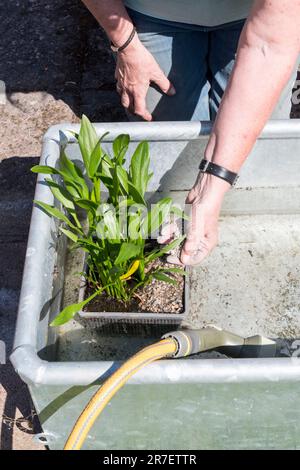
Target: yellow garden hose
pixel 180 343
pixel 165 347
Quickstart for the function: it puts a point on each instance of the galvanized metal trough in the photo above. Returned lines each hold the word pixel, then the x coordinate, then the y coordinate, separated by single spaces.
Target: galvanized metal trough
pixel 202 403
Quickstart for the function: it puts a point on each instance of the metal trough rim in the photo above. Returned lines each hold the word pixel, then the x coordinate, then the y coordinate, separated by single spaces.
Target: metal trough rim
pixel 35 371
pixel 168 130
pixel 24 357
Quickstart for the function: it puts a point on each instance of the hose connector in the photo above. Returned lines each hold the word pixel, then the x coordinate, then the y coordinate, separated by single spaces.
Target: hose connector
pixel 206 339
pixel 187 342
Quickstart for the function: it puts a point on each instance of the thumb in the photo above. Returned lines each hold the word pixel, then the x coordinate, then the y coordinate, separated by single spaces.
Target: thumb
pixel 163 83
pixel 195 248
pixel 198 245
pixel 192 258
pixel 167 233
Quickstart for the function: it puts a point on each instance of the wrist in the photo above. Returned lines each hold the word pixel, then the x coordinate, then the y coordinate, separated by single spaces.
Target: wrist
pixel 214 152
pixel 219 171
pixel 132 47
pixel 211 188
pixel 119 37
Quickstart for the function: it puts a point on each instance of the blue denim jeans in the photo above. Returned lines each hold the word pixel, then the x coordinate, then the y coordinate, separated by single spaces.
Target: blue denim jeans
pixel 198 61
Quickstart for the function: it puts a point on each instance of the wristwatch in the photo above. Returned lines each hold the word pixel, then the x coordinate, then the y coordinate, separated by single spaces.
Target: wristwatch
pixel 218 171
pixel 121 48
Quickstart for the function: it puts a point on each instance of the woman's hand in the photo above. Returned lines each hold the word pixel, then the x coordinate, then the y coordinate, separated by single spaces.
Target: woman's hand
pixel 205 200
pixel 136 69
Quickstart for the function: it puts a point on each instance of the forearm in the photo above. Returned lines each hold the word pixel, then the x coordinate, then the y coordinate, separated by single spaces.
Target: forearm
pixel 267 52
pixel 113 17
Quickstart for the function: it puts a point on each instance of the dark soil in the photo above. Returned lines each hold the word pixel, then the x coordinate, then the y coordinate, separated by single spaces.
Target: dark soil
pixel 156 297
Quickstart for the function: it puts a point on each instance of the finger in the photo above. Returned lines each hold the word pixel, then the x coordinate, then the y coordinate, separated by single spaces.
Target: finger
pixel 195 245
pixel 163 83
pixel 195 231
pixel 167 233
pixel 190 197
pixel 119 89
pixel 192 259
pixel 205 246
pixel 125 99
pixel 172 259
pixel 140 107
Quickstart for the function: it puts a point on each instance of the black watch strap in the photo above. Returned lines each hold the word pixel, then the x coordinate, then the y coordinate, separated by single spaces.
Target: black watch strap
pixel 218 171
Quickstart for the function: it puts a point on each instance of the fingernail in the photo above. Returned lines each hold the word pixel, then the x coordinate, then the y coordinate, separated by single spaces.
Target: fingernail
pixel 172 91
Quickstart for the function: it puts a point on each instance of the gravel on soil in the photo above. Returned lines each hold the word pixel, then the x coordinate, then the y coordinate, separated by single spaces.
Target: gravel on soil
pixel 155 297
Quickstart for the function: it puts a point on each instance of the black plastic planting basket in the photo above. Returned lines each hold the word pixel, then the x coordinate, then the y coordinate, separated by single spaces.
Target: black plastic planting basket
pixel 134 322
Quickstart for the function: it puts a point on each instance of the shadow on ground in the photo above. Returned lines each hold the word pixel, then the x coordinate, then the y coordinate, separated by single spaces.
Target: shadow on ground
pixel 57 47
pixel 16 194
pixel 55 64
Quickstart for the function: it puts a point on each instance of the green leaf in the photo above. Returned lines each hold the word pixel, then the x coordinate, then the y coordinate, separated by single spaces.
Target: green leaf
pixel 171 246
pixel 108 227
pixel 106 165
pixel 122 177
pixel 139 167
pixel 126 202
pixel 54 212
pixel 44 169
pixel 134 226
pixel 106 180
pixel 120 147
pixel 135 194
pixel 69 234
pixel 95 160
pixel 163 277
pixel 174 270
pixel 156 217
pixel 115 189
pixel 74 187
pixel 68 312
pixel 96 191
pixel 96 156
pixel 127 251
pixel 72 173
pixel 89 245
pixel 179 213
pixel 86 204
pixel 116 271
pixel 75 134
pixel 87 140
pixel 70 168
pixel 61 194
pixel 149 176
pixel 142 266
pixel 136 215
pixel 105 171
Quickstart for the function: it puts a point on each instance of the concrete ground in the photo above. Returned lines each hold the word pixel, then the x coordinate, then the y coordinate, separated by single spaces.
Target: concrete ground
pixel 250 283
pixel 55 65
